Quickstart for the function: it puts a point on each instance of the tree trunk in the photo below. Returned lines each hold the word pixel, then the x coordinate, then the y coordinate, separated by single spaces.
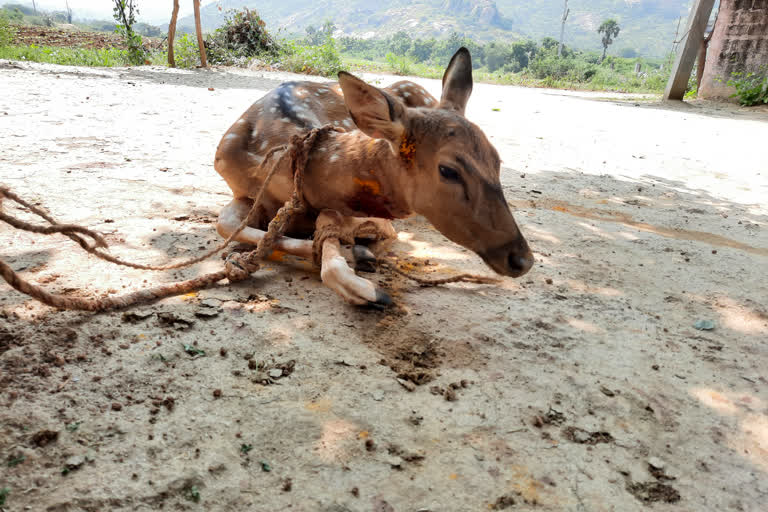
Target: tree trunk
pixel 34 7
pixel 605 49
pixel 566 12
pixel 172 33
pixel 198 27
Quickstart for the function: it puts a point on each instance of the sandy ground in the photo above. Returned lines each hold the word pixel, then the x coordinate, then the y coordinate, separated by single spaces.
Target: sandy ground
pixel 583 386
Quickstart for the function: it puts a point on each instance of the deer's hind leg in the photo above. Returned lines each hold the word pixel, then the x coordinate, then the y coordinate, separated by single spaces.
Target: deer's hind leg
pixel 335 272
pixel 235 212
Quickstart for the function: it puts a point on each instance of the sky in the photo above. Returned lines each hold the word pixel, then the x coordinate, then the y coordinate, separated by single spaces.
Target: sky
pixel 150 11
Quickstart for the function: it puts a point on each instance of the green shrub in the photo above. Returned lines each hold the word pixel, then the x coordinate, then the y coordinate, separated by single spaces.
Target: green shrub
pixel 314 60
pixel 399 65
pixel 244 35
pixel 7 31
pixel 186 52
pixel 751 88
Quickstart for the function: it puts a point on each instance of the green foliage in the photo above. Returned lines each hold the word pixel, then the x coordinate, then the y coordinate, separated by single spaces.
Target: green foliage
pixel 243 36
pixel 125 12
pixel 4 493
pixel 322 60
pixel 609 29
pixel 192 493
pixel 316 37
pixel 399 65
pixel 7 30
pixel 751 88
pixel 106 57
pixel 186 52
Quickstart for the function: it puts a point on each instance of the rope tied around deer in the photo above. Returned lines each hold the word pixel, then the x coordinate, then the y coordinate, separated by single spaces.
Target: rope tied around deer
pixel 237 267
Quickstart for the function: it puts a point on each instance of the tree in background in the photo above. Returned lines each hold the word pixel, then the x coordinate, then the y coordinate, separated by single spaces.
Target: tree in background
pixel 566 12
pixel 125 12
pixel 318 36
pixel 610 29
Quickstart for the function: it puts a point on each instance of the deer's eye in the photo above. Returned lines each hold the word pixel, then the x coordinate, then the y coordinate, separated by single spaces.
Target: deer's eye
pixel 449 174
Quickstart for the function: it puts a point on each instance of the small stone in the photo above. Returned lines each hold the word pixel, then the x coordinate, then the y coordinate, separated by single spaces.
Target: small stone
pixel 74 462
pixel 116 406
pixel 216 393
pixel 211 303
pixel 410 386
pixel 656 463
pixel 275 373
pixel 581 436
pixel 377 395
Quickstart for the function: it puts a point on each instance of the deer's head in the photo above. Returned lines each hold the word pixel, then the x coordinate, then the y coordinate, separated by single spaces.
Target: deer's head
pixel 450 171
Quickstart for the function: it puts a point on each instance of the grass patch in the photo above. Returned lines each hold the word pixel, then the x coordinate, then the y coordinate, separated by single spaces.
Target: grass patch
pixel 106 57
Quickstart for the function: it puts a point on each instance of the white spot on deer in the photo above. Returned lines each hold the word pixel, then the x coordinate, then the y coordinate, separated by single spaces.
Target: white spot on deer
pixel 241 121
pixel 285 120
pixel 231 136
pixel 428 101
pixel 256 158
pixel 406 94
pixel 255 133
pixel 333 158
pixel 348 123
pixel 263 145
pixel 322 149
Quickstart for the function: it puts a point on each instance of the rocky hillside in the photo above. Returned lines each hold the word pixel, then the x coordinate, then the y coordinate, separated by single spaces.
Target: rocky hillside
pixel 648 26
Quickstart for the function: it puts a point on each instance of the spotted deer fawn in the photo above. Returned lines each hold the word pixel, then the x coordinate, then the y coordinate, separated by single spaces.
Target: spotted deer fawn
pixel 399 152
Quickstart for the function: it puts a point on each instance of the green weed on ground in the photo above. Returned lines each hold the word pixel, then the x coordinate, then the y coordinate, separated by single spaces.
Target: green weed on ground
pixel 106 57
pixel 751 88
pixel 321 60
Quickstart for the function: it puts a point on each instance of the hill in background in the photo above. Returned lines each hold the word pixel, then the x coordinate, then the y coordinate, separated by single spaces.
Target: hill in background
pixel 648 26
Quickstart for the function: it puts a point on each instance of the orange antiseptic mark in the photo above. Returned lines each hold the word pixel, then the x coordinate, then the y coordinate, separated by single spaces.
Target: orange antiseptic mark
pixel 369 186
pixel 453 476
pixel 277 256
pixel 363 435
pixel 407 149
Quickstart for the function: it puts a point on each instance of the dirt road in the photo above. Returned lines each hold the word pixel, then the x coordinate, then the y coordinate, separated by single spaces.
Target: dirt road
pixel 583 386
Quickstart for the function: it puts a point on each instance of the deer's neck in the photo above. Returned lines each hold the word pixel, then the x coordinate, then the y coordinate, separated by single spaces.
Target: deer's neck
pixel 357 176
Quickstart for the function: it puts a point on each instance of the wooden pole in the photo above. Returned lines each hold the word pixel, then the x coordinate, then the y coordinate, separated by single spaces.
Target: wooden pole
pixel 198 27
pixel 172 33
pixel 689 49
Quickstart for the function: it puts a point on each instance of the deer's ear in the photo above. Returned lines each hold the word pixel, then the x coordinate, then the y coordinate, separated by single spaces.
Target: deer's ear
pixel 376 113
pixel 457 82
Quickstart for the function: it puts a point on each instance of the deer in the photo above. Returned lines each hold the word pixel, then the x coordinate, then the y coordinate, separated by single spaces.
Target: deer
pixel 397 151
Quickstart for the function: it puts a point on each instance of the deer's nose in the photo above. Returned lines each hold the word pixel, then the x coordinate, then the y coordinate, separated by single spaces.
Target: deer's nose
pixel 519 264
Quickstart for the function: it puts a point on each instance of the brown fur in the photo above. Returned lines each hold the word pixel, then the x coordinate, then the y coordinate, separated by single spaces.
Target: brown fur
pixel 388 164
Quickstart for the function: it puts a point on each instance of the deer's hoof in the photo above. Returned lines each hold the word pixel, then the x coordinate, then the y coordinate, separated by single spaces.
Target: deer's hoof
pixel 365 260
pixel 383 300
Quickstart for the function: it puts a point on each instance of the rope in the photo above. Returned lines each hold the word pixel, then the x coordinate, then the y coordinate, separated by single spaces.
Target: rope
pixel 237 267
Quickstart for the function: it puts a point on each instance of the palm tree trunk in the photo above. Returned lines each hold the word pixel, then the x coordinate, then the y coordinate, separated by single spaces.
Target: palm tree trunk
pixel 172 33
pixel 198 27
pixel 605 49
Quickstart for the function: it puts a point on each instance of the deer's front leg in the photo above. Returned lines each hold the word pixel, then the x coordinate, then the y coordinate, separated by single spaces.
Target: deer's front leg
pixel 339 277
